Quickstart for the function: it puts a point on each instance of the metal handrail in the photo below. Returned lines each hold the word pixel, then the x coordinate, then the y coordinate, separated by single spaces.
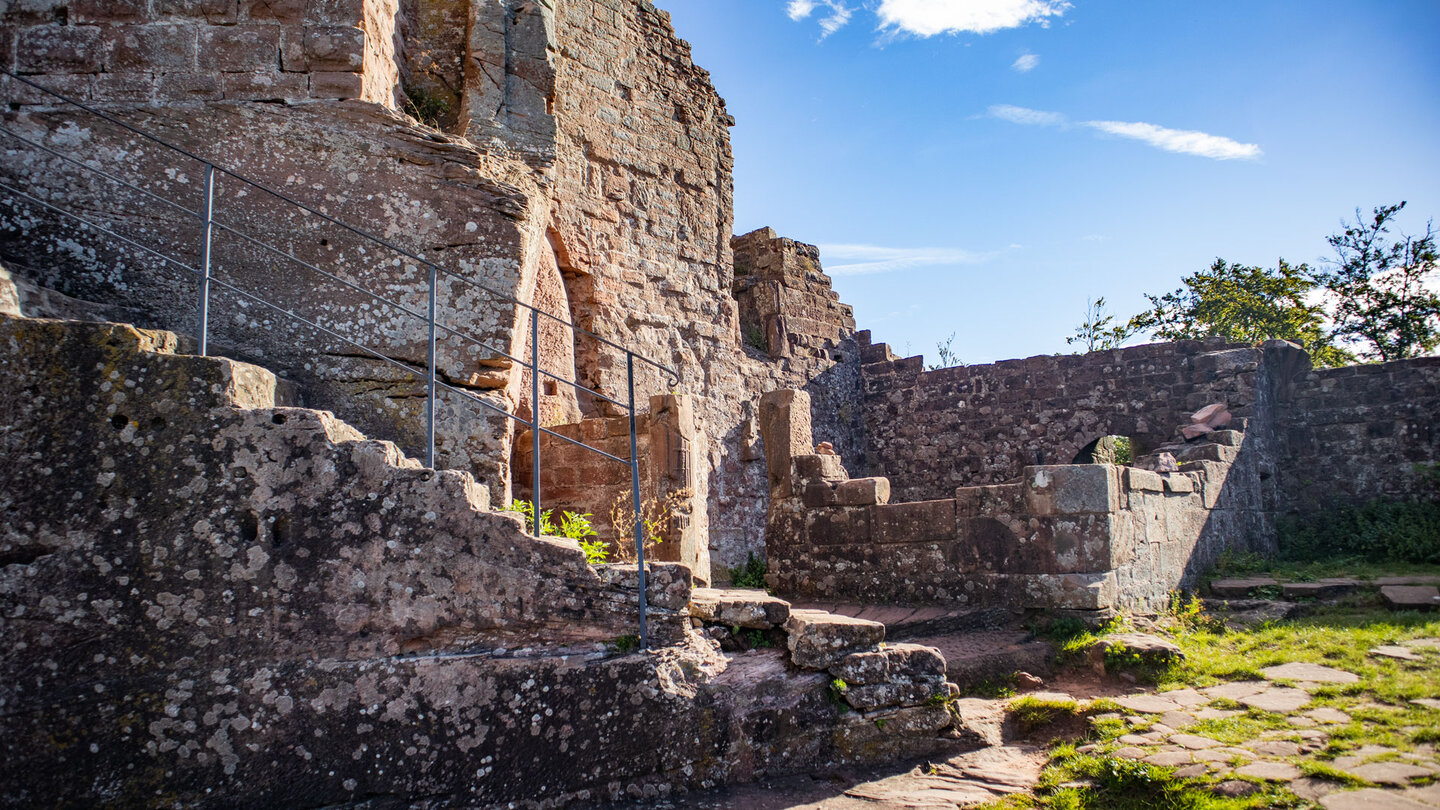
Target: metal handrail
pixel 207 216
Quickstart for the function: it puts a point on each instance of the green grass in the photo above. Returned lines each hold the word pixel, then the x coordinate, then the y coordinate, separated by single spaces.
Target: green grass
pixel 1348 566
pixel 1338 636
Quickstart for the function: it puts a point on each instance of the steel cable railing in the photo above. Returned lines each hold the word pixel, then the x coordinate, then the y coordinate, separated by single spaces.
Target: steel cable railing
pixel 210 222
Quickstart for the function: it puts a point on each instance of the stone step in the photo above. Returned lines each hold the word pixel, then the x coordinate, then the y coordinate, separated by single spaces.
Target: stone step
pixel 978 656
pixel 904 622
pixel 1411 597
pixel 739 607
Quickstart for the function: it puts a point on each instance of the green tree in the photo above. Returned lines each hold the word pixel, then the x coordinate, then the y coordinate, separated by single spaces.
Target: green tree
pixel 1245 305
pixel 1099 331
pixel 1378 284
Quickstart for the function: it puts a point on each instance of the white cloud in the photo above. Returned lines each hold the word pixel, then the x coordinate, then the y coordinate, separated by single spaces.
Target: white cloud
pixel 857 260
pixel 839 13
pixel 1026 62
pixel 1027 116
pixel 1184 141
pixel 926 18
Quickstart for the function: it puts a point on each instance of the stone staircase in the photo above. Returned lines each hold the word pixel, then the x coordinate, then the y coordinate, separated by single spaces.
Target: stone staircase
pixel 212 597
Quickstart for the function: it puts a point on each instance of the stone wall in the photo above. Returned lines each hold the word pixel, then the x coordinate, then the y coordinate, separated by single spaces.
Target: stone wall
pixel 173 52
pixel 1091 537
pixel 933 431
pixel 209 598
pixel 1359 433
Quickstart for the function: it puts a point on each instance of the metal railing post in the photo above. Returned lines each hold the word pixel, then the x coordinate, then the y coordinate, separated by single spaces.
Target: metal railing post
pixel 430 394
pixel 635 498
pixel 535 416
pixel 205 257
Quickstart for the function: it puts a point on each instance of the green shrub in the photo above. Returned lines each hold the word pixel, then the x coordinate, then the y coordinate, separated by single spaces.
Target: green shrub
pixel 749 575
pixel 1404 531
pixel 573 526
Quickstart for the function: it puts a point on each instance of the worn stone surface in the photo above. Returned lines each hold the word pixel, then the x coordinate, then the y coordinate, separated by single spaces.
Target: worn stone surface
pixel 1411 597
pixel 1314 673
pixel 819 640
pixel 739 607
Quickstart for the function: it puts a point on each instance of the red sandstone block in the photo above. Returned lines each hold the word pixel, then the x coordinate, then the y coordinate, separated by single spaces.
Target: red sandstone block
pixel 285 11
pixel 168 46
pixel 913 522
pixel 59 49
pixel 132 87
pixel 239 48
pixel 183 87
pixel 335 12
pixel 264 86
pixel 838 526
pixel 73 86
pixel 109 11
pixel 292 49
pixel 33 12
pixel 219 12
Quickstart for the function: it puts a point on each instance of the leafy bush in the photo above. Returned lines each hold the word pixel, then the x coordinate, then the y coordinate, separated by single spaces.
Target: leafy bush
pixel 1405 531
pixel 749 575
pixel 573 526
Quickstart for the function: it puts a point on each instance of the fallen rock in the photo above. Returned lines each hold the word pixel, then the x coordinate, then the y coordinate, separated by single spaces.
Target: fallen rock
pixel 819 640
pixel 1024 681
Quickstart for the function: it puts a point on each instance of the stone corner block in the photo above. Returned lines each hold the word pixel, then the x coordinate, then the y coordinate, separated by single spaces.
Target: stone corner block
pixel 1072 489
pixel 819 640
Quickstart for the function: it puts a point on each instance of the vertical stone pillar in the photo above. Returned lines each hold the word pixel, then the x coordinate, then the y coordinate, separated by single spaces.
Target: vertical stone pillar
pixel 675 457
pixel 785 429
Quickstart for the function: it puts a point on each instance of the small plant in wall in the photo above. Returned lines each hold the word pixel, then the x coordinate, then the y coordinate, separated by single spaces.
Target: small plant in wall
pixel 656 518
pixel 573 526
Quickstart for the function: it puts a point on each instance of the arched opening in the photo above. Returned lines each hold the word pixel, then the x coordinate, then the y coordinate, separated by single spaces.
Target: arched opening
pixel 1106 450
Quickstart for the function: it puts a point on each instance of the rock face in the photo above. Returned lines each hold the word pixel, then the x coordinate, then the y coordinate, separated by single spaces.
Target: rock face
pixel 235 602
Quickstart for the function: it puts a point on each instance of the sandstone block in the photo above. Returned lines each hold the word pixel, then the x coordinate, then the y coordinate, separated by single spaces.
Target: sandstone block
pixel 1152 650
pixel 1411 597
pixel 1144 480
pixel 1072 489
pixel 913 522
pixel 739 607
pixel 334 48
pixel 151 48
pixel 263 86
pixel 108 11
pixel 235 48
pixel 220 12
pixel 882 695
pixel 816 467
pixel 838 525
pixel 1239 588
pixel 182 87
pixel 326 85
pixel 818 640
pixel 667 585
pixel 59 49
pixel 134 87
pixel 785 427
pixel 335 12
pixel 863 492
pixel 896 662
pixel 1324 589
pixel 998 499
pixel 285 11
pixel 1179 482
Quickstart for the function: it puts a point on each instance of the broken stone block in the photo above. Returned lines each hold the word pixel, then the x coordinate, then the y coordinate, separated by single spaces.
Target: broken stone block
pixel 1211 415
pixel 1144 480
pixel 667 585
pixel 1192 432
pixel 855 492
pixel 899 661
pixel 739 607
pixel 814 467
pixel 825 449
pixel 1411 597
pixel 818 640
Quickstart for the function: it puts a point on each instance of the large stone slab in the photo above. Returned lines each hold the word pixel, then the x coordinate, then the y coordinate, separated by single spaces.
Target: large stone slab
pixel 1239 588
pixel 1278 699
pixel 1411 597
pixel 739 607
pixel 819 640
pixel 910 662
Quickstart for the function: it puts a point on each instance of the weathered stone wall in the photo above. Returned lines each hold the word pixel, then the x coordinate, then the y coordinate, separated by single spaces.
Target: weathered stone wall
pixel 933 431
pixel 476 215
pixel 1092 537
pixel 209 599
pixel 1358 433
pixel 171 52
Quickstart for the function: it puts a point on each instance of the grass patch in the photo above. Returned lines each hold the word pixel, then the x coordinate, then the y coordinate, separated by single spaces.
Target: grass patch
pixel 1290 570
pixel 1030 713
pixel 1240 729
pixel 1326 771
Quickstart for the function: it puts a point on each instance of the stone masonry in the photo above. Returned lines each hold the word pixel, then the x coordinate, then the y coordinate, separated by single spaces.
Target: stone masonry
pixel 211 599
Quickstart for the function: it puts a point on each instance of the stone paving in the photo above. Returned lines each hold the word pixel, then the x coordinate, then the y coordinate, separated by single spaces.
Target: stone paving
pixel 1162 733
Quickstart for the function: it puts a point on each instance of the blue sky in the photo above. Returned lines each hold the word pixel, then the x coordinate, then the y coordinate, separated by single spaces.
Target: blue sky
pixel 982 167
